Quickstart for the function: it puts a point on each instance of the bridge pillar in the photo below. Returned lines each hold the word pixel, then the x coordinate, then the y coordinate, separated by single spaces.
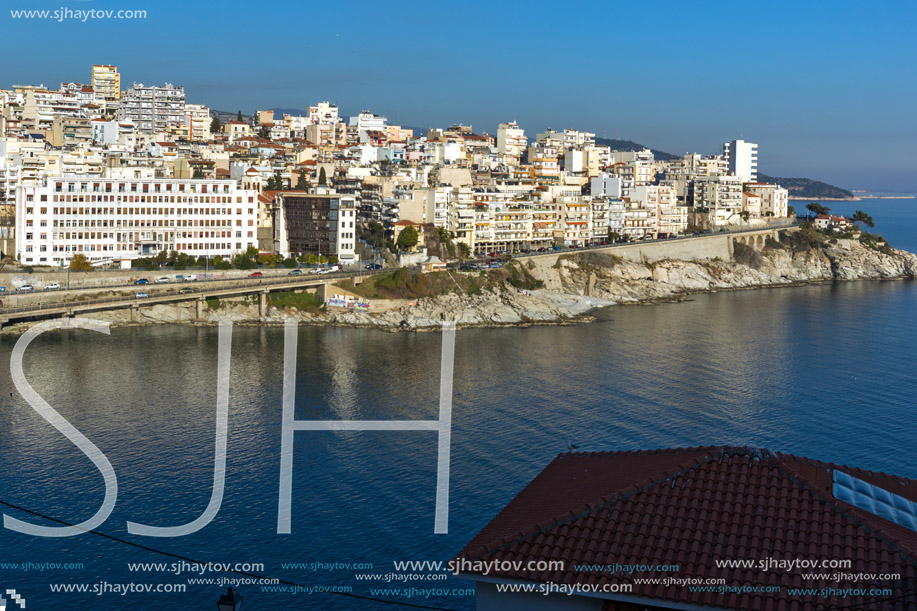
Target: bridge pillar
pixel 135 313
pixel 199 309
pixel 321 291
pixel 262 304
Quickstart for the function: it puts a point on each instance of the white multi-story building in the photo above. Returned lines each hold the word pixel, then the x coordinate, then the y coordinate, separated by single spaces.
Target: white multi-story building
pixel 324 113
pixel 153 109
pixel 742 159
pixel 367 121
pixel 511 142
pixel 607 185
pixel 121 219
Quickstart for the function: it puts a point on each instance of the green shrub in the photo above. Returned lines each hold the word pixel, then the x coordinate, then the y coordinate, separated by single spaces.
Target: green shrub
pixel 298 301
pixel 520 278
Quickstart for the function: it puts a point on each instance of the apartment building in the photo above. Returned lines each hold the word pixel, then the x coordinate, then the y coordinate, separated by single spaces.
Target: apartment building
pixel 122 219
pixel 575 220
pixel 665 214
pixel 718 197
pixel 314 224
pixel 367 122
pixel 511 142
pixel 197 119
pixel 742 159
pixel 324 113
pixel 152 108
pixel 107 85
pixel 774 199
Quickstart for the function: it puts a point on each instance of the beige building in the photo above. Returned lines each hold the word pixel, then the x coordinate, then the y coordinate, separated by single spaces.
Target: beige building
pixel 107 84
pixel 774 198
pixel 665 215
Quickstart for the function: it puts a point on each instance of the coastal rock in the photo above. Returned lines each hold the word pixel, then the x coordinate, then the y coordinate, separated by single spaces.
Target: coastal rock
pixel 574 285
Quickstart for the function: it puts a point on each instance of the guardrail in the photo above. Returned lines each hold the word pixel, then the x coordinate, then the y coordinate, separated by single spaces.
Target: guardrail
pixel 253 284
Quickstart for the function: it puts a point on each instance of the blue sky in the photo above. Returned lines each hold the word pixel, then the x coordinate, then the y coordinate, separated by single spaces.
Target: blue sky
pixel 826 89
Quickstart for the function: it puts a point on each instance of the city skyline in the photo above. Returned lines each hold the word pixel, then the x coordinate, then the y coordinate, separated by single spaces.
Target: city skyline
pixel 664 75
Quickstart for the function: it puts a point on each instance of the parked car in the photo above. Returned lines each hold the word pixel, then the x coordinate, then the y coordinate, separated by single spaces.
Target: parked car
pixel 256 275
pixel 335 268
pixel 190 278
pixel 162 280
pixel 315 270
pixel 2 289
pixel 373 266
pixel 141 295
pixel 140 281
pixel 185 290
pixel 295 272
pixel 54 286
pixel 26 288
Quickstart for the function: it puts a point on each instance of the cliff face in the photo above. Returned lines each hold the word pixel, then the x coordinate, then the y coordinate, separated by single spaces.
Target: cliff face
pixel 610 278
pixel 574 285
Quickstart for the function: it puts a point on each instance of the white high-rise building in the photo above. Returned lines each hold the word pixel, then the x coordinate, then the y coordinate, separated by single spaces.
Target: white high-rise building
pixel 324 113
pixel 511 141
pixel 742 159
pixel 153 109
pixel 108 219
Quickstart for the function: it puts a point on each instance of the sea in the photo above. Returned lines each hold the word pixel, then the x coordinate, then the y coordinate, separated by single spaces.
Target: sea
pixel 824 371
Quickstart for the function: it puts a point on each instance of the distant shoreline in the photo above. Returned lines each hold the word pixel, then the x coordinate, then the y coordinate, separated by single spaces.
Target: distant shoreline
pixel 850 199
pixel 824 199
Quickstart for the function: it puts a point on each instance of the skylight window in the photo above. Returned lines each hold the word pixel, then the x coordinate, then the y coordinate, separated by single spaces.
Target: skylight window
pixel 875 500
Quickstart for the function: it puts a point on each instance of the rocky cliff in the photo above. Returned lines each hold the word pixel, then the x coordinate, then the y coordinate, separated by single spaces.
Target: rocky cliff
pixel 575 284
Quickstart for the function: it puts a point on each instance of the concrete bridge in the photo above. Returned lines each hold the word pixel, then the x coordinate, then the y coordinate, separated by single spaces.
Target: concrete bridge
pixel 69 303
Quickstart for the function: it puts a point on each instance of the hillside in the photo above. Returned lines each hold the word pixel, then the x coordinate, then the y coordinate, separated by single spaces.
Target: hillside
pixel 630 145
pixel 807 188
pixel 225 116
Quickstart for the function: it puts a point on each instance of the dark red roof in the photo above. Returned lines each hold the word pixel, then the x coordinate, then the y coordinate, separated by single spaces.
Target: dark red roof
pixel 694 506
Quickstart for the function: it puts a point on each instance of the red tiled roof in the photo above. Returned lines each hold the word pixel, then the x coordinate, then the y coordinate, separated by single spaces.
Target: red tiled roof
pixel 693 506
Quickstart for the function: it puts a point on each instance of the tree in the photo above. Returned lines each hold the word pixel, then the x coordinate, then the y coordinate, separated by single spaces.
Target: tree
pixel 816 208
pixel 373 233
pixel 861 218
pixel 265 133
pixel 322 177
pixel 408 238
pixel 444 235
pixel 79 263
pixel 239 116
pixel 301 184
pixel 162 258
pixel 198 173
pixel 215 125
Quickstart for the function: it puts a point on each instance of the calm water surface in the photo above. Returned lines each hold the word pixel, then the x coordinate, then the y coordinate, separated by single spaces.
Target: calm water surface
pixel 823 371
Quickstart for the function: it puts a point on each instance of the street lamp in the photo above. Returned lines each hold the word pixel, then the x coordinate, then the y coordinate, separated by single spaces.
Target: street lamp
pixel 231 601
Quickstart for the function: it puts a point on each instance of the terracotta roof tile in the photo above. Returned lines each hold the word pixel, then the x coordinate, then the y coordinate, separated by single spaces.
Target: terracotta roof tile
pixel 693 506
